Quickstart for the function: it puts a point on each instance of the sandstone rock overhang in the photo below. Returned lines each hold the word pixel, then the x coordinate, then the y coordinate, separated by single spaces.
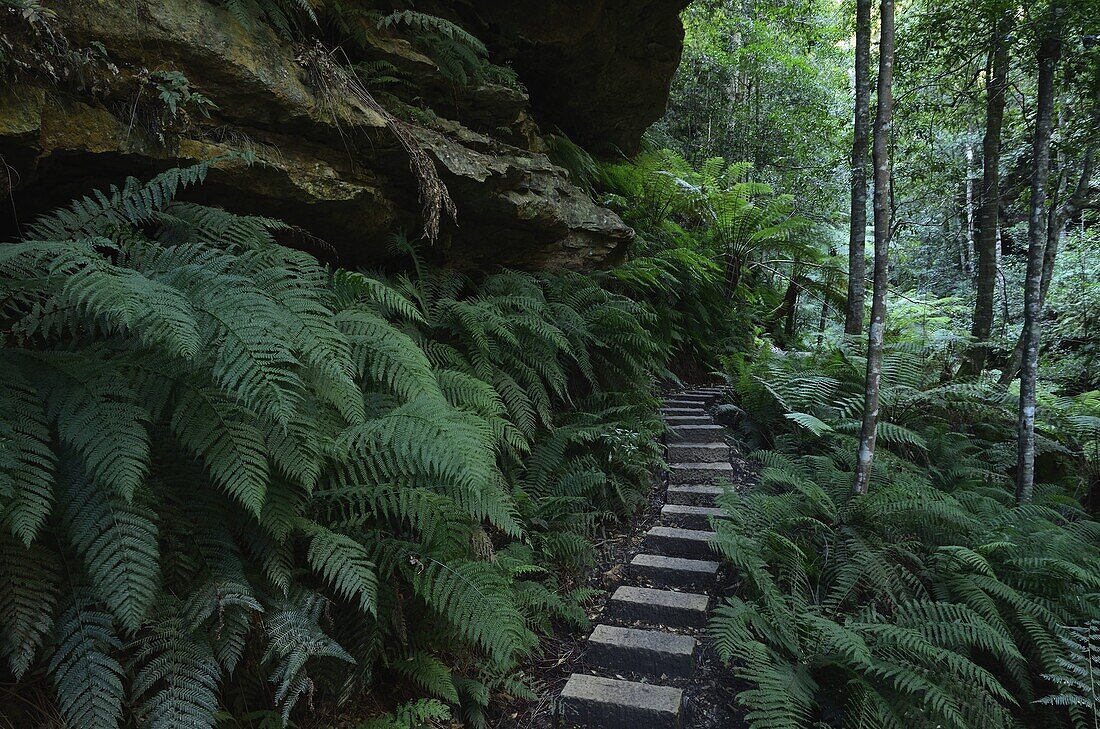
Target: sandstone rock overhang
pixel 334 169
pixel 598 69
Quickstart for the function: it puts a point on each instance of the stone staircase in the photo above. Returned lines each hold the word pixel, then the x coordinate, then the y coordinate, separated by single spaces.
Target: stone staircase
pixel 644 649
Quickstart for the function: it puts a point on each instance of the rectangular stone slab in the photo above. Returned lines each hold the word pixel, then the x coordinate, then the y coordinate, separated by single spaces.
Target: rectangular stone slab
pixel 673 542
pixel 644 652
pixel 691 396
pixel 691 410
pixel 696 408
pixel 716 452
pixel 686 403
pixel 695 433
pixel 690 517
pixel 674 571
pixel 659 607
pixel 606 703
pixel 700 473
pixel 693 495
pixel 688 420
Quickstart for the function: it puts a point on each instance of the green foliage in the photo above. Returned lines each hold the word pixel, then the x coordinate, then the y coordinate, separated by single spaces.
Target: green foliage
pixel 414 715
pixel 1078 673
pixel 768 83
pixel 459 55
pixel 258 470
pixel 710 239
pixel 175 92
pixel 288 18
pixel 934 600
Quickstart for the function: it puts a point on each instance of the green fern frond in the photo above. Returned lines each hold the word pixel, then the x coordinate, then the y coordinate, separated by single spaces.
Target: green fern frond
pixel 344 564
pixel 117 542
pixel 29 587
pixel 86 678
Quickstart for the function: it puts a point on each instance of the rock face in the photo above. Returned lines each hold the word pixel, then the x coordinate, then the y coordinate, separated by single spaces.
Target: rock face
pixel 326 163
pixel 597 69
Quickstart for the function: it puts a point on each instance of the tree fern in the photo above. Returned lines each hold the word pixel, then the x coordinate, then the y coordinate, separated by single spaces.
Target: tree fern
pixel 468 593
pixel 933 600
pixel 267 479
pixel 117 542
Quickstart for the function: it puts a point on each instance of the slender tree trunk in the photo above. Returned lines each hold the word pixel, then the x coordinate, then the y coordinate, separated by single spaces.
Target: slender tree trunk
pixel 784 314
pixel 988 214
pixel 1055 226
pixel 791 322
pixel 882 213
pixel 823 320
pixel 1049 52
pixel 857 238
pixel 968 252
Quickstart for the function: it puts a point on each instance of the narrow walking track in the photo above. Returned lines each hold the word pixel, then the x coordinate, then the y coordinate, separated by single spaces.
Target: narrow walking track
pixel 646 645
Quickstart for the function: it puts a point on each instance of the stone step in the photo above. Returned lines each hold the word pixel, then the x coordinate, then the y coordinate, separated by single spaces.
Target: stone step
pixel 690 517
pixel 696 396
pixel 689 399
pixel 659 607
pixel 607 703
pixel 643 652
pixel 680 412
pixel 698 407
pixel 674 571
pixel 686 495
pixel 674 420
pixel 695 433
pixel 674 542
pixel 700 473
pixel 717 452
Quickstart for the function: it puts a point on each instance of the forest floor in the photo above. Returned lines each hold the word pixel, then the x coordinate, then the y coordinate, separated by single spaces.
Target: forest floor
pixel 709 695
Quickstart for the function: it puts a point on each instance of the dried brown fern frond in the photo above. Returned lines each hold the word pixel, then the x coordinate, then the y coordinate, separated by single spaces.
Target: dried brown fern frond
pixel 334 81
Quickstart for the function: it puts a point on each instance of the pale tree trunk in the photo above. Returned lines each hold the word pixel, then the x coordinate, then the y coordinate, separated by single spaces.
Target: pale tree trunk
pixel 1055 227
pixel 857 238
pixel 823 320
pixel 1049 51
pixel 881 158
pixel 968 253
pixel 989 213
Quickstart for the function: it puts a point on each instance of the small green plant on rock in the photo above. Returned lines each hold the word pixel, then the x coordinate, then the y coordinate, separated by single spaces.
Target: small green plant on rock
pixel 460 55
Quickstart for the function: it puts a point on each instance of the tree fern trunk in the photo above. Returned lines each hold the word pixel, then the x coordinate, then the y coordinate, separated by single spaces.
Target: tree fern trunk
pixel 1049 52
pixel 857 236
pixel 881 157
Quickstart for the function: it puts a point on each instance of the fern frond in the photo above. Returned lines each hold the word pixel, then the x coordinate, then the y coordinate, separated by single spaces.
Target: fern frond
pixel 117 542
pixel 344 564
pixel 86 678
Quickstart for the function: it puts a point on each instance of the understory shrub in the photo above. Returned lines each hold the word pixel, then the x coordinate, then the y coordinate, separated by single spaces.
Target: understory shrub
pixel 234 480
pixel 934 600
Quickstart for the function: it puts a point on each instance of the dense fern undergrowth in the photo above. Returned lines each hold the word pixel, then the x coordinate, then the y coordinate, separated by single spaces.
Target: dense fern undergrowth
pixel 235 482
pixel 934 600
